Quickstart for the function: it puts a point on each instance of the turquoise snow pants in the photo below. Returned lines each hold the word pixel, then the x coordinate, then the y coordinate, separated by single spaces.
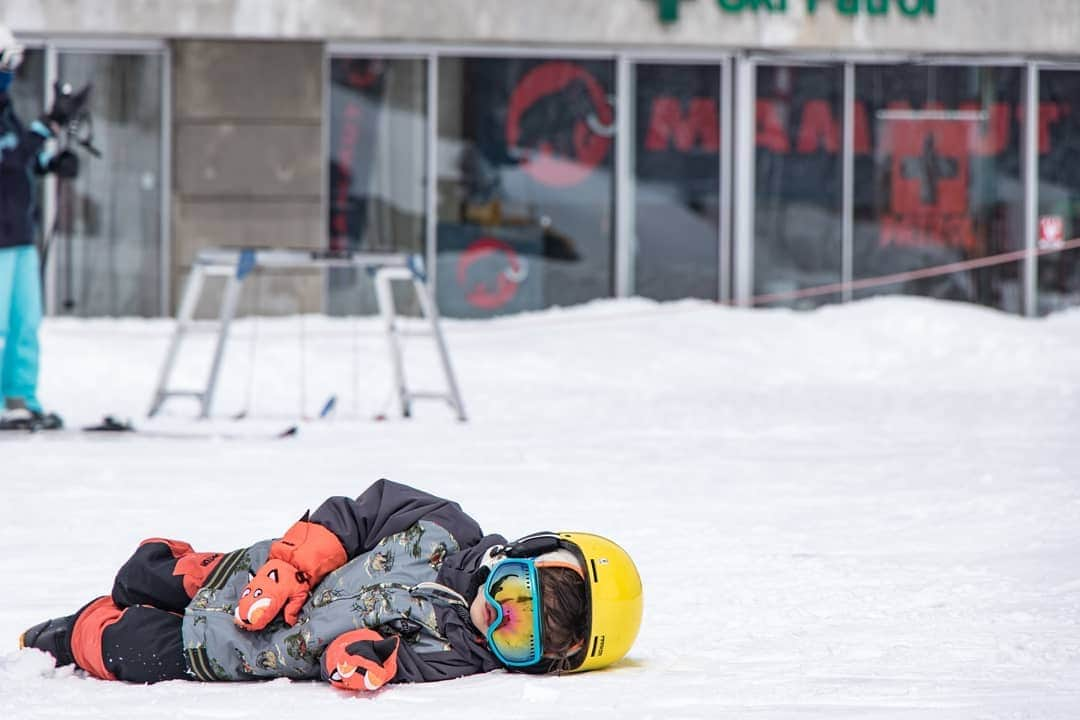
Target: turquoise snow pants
pixel 20 317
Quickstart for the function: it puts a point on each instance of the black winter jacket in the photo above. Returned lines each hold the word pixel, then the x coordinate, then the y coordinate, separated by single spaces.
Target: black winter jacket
pixel 387 508
pixel 21 158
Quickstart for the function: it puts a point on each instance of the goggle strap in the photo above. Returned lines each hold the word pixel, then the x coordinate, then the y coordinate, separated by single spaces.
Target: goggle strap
pixel 533 545
pixel 568 565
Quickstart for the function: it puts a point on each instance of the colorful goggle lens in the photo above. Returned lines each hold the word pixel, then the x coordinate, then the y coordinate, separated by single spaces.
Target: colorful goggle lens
pixel 513 591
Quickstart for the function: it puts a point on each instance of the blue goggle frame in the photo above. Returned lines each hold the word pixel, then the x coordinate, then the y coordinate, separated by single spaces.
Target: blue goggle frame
pixel 527 567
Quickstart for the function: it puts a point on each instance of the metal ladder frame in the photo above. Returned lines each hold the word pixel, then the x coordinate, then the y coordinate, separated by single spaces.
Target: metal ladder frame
pixel 384 277
pixel 237 265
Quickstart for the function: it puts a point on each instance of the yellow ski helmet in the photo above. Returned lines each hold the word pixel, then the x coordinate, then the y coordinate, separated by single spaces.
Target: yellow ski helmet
pixel 614 598
pixel 613 592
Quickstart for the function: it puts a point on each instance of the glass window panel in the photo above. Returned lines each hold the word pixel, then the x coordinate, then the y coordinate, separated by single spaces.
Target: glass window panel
pixel 1059 188
pixel 108 245
pixel 938 180
pixel 798 224
pixel 677 181
pixel 525 158
pixel 378 140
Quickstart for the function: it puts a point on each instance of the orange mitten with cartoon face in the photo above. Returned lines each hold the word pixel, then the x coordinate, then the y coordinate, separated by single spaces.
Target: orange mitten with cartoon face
pixel 360 660
pixel 297 562
pixel 276 586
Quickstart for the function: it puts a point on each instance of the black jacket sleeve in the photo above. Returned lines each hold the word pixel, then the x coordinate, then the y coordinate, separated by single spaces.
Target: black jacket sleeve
pixel 466 655
pixel 459 570
pixel 386 508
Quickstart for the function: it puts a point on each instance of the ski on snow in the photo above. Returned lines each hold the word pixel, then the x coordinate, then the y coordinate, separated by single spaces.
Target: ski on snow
pixel 111 425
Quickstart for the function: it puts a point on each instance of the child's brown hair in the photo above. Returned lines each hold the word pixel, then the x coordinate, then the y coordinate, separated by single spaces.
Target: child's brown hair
pixel 565 612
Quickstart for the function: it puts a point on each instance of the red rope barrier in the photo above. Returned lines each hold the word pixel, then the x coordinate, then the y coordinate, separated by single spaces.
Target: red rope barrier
pixel 935 271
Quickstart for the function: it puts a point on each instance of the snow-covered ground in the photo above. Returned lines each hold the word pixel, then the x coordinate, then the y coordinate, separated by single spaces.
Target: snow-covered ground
pixel 863 511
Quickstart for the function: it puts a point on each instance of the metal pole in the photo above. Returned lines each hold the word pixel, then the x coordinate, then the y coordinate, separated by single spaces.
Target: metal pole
pixel 49 208
pixel 384 296
pixel 625 231
pixel 431 228
pixel 1031 189
pixel 726 189
pixel 184 316
pixel 427 306
pixel 228 312
pixel 165 183
pixel 327 91
pixel 847 270
pixel 745 145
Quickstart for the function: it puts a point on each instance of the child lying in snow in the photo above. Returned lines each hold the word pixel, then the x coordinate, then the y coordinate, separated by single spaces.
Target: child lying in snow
pixel 394 586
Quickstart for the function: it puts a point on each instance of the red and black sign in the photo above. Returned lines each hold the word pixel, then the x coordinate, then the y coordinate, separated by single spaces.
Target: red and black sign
pixel 510 271
pixel 552 118
pixel 925 150
pixel 536 140
pixel 559 123
pixel 487 271
pixel 678 128
pixel 930 173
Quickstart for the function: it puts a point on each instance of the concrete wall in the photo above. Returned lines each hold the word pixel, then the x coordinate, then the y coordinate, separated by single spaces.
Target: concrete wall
pixel 1032 26
pixel 247 158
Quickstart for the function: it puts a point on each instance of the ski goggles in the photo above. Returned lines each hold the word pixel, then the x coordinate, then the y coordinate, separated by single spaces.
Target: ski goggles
pixel 513 591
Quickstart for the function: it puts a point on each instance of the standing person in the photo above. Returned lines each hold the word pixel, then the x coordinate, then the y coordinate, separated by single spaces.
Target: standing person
pixel 22 157
pixel 396 585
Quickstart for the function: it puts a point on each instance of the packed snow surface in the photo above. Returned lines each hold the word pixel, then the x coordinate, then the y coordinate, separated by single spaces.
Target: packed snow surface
pixel 869 510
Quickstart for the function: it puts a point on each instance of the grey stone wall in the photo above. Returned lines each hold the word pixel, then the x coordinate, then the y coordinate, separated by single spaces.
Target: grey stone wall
pixel 1026 26
pixel 247 159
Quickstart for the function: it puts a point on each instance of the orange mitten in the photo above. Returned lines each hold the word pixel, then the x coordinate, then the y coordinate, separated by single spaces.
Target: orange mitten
pixel 275 586
pixel 311 549
pixel 296 564
pixel 360 660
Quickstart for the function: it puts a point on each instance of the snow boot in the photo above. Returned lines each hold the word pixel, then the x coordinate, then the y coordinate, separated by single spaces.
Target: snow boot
pixel 52 636
pixel 29 420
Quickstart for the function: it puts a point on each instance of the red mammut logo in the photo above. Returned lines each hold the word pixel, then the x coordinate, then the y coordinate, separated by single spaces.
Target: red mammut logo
pixel 507 279
pixel 560 122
